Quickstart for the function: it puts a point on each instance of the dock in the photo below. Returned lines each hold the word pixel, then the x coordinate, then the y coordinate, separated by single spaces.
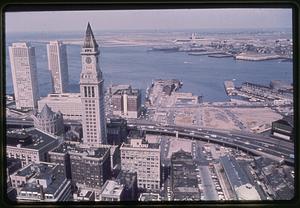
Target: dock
pixel 229 87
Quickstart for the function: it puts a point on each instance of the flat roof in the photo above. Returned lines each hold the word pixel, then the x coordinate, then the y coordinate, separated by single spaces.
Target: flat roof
pixel 39 139
pixel 73 148
pixel 112 188
pixel 149 197
pixel 41 171
pixel 234 172
pixel 127 91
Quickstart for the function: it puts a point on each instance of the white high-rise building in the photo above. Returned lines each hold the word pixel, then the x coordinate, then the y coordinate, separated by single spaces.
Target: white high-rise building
pixel 92 95
pixel 58 66
pixel 24 75
pixel 143 158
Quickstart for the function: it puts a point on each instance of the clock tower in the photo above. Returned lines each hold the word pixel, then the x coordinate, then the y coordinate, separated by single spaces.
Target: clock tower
pixel 92 95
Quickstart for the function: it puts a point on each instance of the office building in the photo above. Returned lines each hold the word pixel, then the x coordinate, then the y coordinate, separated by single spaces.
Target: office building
pixel 92 94
pixel 144 158
pixel 184 182
pixel 41 182
pixel 69 104
pixel 49 121
pixel 30 145
pixel 58 66
pixel 24 75
pixel 126 102
pixel 88 168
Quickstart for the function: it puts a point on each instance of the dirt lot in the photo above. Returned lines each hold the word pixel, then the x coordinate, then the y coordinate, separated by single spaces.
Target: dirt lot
pixel 238 118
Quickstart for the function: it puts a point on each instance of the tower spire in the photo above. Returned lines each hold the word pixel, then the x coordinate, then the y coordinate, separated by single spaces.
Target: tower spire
pixel 89 40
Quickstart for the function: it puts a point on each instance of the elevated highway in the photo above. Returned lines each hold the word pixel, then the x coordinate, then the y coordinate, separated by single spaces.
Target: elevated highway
pixel 255 144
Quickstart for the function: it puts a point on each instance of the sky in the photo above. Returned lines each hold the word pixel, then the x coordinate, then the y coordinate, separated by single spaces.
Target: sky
pixel 53 21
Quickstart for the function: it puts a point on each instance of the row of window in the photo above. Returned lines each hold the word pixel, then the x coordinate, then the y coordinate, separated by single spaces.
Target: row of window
pixel 89 91
pixel 89 101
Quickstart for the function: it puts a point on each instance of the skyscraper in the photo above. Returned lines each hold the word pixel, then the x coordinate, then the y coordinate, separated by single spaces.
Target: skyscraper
pixel 24 75
pixel 92 95
pixel 58 66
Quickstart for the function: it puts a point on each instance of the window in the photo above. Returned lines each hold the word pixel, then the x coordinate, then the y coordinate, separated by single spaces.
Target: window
pixel 89 92
pixel 85 92
pixel 93 93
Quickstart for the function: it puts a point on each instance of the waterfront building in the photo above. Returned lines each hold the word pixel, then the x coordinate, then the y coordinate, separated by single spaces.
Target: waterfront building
pixel 92 95
pixel 41 182
pixel 144 158
pixel 69 104
pixel 126 102
pixel 49 121
pixel 184 182
pixel 24 75
pixel 112 191
pixel 58 66
pixel 283 128
pixel 88 168
pixel 31 145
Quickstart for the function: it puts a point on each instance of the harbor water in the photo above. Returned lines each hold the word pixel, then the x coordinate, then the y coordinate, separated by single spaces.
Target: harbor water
pixel 136 65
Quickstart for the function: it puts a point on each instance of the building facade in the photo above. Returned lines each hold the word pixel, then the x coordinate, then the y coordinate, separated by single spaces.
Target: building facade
pixel 69 104
pixel 92 94
pixel 127 102
pixel 283 128
pixel 184 182
pixel 49 121
pixel 129 180
pixel 58 66
pixel 144 159
pixel 24 75
pixel 29 146
pixel 88 168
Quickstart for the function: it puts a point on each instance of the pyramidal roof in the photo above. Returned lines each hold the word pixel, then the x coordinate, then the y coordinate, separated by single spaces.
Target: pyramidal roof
pixel 89 40
pixel 46 112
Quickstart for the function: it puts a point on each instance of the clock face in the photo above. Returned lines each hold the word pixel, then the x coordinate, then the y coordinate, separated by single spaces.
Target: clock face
pixel 88 60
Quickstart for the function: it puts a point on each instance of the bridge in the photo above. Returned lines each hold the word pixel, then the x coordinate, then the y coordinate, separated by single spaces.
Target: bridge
pixel 255 144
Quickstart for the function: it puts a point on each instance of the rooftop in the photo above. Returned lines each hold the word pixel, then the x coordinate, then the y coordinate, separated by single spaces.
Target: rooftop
pixel 112 188
pixel 140 143
pixel 184 177
pixel 37 170
pixel 234 172
pixel 149 197
pixel 36 139
pixel 73 148
pixel 45 171
pixel 247 192
pixel 89 40
pixel 128 91
pixel 74 97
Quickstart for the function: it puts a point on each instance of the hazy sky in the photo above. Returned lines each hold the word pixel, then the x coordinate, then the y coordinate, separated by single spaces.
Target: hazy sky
pixel 148 19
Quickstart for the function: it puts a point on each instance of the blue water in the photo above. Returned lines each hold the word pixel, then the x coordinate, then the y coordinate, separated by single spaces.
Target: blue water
pixel 201 75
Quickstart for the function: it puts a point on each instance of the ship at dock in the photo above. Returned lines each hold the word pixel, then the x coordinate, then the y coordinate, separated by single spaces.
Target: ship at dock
pixel 165 48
